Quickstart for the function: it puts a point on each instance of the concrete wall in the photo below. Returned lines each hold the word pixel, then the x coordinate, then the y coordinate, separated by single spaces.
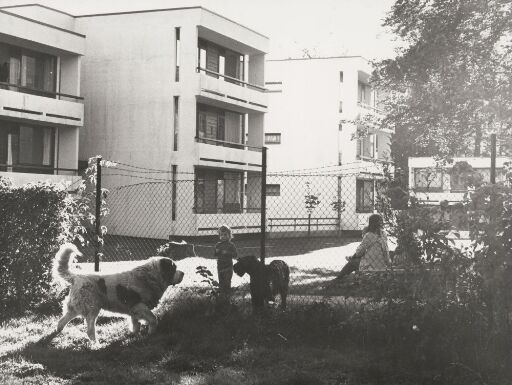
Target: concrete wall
pixel 44 15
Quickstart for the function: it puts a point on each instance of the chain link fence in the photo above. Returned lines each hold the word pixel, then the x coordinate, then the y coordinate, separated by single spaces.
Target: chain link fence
pixel 314 220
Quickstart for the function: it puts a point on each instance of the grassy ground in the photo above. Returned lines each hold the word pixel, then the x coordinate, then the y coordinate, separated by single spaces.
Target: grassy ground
pixel 198 345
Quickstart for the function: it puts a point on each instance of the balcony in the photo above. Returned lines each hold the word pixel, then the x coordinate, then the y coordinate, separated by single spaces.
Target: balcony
pixel 27 104
pixel 366 108
pixel 69 177
pixel 218 153
pixel 247 96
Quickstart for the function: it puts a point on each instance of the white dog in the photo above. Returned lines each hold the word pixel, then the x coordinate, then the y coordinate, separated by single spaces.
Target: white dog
pixel 134 292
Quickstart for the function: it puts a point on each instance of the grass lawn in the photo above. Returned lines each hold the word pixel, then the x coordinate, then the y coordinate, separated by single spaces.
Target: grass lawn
pixel 195 345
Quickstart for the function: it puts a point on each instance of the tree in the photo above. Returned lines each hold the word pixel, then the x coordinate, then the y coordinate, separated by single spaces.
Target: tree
pixel 311 202
pixel 450 84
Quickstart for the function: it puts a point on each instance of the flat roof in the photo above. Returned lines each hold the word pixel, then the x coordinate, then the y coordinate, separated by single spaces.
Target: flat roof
pixel 134 12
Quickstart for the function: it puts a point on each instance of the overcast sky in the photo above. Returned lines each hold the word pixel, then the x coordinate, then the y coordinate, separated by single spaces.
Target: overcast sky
pixel 322 27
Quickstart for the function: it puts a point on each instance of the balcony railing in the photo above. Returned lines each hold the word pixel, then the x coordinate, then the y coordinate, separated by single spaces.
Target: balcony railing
pixel 34 91
pixel 35 169
pixel 232 79
pixel 368 107
pixel 223 143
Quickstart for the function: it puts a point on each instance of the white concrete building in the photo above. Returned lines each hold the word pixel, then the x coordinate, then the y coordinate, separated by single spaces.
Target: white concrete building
pixel 41 111
pixel 432 183
pixel 179 92
pixel 310 128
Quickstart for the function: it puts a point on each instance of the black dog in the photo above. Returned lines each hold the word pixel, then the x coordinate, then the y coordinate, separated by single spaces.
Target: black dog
pixel 266 281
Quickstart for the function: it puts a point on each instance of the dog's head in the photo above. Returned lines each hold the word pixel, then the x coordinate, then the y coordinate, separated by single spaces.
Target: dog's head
pixel 245 264
pixel 169 271
pixel 177 250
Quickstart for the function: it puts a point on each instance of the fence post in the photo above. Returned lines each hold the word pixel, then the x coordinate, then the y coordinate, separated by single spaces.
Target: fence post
pixel 98 213
pixel 263 203
pixel 493 158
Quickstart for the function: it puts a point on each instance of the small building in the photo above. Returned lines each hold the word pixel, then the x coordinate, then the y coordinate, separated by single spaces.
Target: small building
pixel 41 110
pixel 316 147
pixel 432 183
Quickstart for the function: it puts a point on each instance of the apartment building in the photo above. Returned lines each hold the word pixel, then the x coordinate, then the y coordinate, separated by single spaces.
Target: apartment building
pixel 311 128
pixel 41 110
pixel 179 94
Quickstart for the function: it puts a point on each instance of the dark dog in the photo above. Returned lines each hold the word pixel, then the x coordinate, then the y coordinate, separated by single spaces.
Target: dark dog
pixel 266 281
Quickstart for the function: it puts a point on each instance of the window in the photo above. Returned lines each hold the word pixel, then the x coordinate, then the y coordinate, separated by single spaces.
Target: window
pixel 177 53
pixel 174 191
pixel 366 147
pixel 363 93
pixel 25 148
pixel 220 125
pixel 341 76
pixel 215 60
pixel 218 191
pixel 34 71
pixel 176 122
pixel 273 190
pixel 340 126
pixel 365 191
pixel 341 107
pixel 272 138
pixel 428 179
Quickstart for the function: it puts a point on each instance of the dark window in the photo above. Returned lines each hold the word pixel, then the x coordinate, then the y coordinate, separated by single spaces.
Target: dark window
pixel 428 179
pixel 25 148
pixel 27 71
pixel 218 191
pixel 364 195
pixel 216 60
pixel 219 125
pixel 273 190
pixel 178 54
pixel 341 107
pixel 341 76
pixel 272 138
pixel 176 122
pixel 174 191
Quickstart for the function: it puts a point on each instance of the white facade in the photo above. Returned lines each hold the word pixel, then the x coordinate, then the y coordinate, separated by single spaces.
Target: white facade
pixel 178 91
pixel 41 111
pixel 310 129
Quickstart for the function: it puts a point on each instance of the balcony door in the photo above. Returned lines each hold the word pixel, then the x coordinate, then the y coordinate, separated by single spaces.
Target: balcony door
pixel 26 148
pixel 218 191
pixel 220 125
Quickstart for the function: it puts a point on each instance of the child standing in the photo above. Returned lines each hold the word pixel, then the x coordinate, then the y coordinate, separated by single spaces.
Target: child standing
pixel 225 252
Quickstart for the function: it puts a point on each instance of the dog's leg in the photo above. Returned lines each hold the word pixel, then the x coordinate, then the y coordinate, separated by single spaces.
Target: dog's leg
pixel 65 320
pixel 91 324
pixel 141 311
pixel 284 294
pixel 134 325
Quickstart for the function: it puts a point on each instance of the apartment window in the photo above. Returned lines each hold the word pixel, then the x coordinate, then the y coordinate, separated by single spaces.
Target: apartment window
pixel 365 191
pixel 176 122
pixel 272 138
pixel 341 76
pixel 177 53
pixel 340 109
pixel 220 126
pixel 273 190
pixel 25 148
pixel 34 71
pixel 340 126
pixel 174 191
pixel 340 158
pixel 428 179
pixel 218 191
pixel 216 60
pixel 363 93
pixel 366 146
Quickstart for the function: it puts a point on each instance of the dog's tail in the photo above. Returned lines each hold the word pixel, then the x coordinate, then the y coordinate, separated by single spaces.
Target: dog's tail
pixel 61 262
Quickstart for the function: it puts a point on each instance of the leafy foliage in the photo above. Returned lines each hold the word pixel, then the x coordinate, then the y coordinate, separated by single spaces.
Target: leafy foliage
pixel 449 86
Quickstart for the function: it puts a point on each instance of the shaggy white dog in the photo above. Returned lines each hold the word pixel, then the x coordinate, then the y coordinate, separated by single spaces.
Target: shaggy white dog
pixel 134 292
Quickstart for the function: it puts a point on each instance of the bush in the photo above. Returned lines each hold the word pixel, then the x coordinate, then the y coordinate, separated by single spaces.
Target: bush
pixel 36 219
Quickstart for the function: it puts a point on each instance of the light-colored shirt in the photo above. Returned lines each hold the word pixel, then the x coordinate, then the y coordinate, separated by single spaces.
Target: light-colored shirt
pixel 374 252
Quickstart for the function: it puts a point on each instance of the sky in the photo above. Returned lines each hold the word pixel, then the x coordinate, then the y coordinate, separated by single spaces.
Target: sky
pixel 320 28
